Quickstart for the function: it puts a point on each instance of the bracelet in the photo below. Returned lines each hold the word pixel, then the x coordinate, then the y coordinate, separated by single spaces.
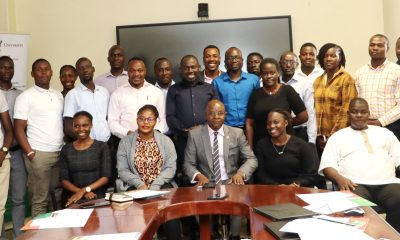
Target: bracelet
pixel 30 153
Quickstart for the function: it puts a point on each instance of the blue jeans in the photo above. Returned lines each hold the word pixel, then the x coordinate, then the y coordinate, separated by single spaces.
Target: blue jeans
pixel 18 178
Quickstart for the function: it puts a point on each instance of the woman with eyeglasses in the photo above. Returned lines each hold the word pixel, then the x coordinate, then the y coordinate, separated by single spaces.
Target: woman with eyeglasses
pixel 85 164
pixel 146 159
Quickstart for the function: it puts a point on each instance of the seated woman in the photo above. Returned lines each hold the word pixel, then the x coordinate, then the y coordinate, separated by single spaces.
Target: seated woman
pixel 146 159
pixel 85 164
pixel 283 158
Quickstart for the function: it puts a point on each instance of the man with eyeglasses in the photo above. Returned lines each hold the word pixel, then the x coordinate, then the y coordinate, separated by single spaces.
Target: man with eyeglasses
pixel 222 147
pixel 289 62
pixel 235 87
pixel 130 97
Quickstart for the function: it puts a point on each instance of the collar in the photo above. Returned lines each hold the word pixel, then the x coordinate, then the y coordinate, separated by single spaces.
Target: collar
pixel 211 132
pixel 226 77
pixel 124 73
pixel 157 85
pixel 12 88
pixel 317 69
pixel 42 89
pixel 293 79
pixel 84 88
pixel 128 85
pixel 380 66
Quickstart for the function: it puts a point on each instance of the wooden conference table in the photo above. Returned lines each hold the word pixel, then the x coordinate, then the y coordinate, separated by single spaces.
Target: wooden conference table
pixel 145 216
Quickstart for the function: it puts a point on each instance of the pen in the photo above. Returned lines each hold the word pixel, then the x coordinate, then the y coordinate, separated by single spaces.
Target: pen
pixel 333 220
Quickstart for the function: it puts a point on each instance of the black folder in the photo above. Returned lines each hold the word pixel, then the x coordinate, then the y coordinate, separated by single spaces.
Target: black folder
pixel 273 228
pixel 284 211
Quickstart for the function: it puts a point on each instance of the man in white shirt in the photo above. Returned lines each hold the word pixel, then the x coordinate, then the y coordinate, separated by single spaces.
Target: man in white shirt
pixel 38 110
pixel 363 158
pixel 127 99
pixel 6 139
pixel 89 97
pixel 289 62
pixel 308 70
pixel 117 75
pixel 163 74
pixel 18 171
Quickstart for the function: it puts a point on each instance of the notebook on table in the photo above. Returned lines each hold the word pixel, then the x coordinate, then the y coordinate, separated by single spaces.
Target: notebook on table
pixel 283 211
pixel 273 228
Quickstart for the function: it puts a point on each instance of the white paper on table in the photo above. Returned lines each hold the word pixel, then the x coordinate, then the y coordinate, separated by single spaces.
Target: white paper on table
pixel 327 203
pixel 140 194
pixel 64 219
pixel 114 236
pixel 316 229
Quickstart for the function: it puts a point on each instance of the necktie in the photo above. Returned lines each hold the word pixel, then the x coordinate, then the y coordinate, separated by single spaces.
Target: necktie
pixel 366 141
pixel 215 158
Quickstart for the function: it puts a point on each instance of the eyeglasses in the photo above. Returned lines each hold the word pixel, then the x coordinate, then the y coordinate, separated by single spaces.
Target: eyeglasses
pixel 233 58
pixel 149 119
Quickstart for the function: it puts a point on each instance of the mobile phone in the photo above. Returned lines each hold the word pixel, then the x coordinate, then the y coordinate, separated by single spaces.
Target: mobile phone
pixel 217 196
pixel 209 185
pixel 93 205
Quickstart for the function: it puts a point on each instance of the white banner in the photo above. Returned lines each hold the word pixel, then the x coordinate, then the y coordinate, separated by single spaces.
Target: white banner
pixel 16 47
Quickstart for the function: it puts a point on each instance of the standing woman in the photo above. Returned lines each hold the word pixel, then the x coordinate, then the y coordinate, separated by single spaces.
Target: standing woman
pixel 333 91
pixel 85 164
pixel 272 95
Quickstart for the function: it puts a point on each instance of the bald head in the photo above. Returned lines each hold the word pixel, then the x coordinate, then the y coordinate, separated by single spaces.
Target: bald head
pixel 215 114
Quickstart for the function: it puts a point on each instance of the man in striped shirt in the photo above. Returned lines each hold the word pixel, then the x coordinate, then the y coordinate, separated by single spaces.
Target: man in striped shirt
pixel 379 83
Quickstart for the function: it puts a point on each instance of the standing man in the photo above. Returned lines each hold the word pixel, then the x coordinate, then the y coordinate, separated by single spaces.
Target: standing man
pixel 363 158
pixel 163 74
pixel 39 131
pixel 117 75
pixel 130 97
pixel 235 87
pixel 378 82
pixel 211 60
pixel 308 71
pixel 253 63
pixel 89 97
pixel 289 62
pixel 18 171
pixel 186 103
pixel 219 152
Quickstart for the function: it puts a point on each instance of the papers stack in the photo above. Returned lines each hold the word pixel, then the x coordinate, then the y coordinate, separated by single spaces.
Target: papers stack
pixel 134 195
pixel 66 218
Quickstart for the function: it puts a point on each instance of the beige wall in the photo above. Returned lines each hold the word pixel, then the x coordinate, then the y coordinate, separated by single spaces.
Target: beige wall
pixel 63 30
pixel 392 24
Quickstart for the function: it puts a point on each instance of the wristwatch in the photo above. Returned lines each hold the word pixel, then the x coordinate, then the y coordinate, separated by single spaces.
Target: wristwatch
pixel 4 149
pixel 88 189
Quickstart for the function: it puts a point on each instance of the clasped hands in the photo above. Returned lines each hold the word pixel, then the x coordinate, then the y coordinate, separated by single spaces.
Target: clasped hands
pixel 237 179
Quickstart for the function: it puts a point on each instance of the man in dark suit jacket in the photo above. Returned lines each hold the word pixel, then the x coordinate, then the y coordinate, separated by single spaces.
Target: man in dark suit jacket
pixel 237 160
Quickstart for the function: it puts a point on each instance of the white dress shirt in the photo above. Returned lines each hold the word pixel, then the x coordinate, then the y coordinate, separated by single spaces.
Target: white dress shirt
pixel 125 103
pixel 299 75
pixel 111 82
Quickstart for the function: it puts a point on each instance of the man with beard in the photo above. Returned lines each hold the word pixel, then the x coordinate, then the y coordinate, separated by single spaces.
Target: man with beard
pixel 289 62
pixel 211 61
pixel 235 87
pixel 117 75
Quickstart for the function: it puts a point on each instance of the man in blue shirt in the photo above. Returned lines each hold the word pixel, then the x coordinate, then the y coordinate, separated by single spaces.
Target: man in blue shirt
pixel 235 87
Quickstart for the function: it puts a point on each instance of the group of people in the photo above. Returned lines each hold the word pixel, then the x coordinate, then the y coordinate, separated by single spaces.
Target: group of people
pixel 282 122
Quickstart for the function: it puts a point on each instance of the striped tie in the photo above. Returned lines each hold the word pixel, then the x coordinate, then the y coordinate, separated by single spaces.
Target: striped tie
pixel 215 158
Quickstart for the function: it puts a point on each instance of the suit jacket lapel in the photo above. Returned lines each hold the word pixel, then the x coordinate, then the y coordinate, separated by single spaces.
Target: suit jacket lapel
pixel 207 146
pixel 226 149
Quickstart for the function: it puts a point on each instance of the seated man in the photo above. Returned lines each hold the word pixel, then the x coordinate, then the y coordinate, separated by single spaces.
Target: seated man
pixel 363 158
pixel 222 147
